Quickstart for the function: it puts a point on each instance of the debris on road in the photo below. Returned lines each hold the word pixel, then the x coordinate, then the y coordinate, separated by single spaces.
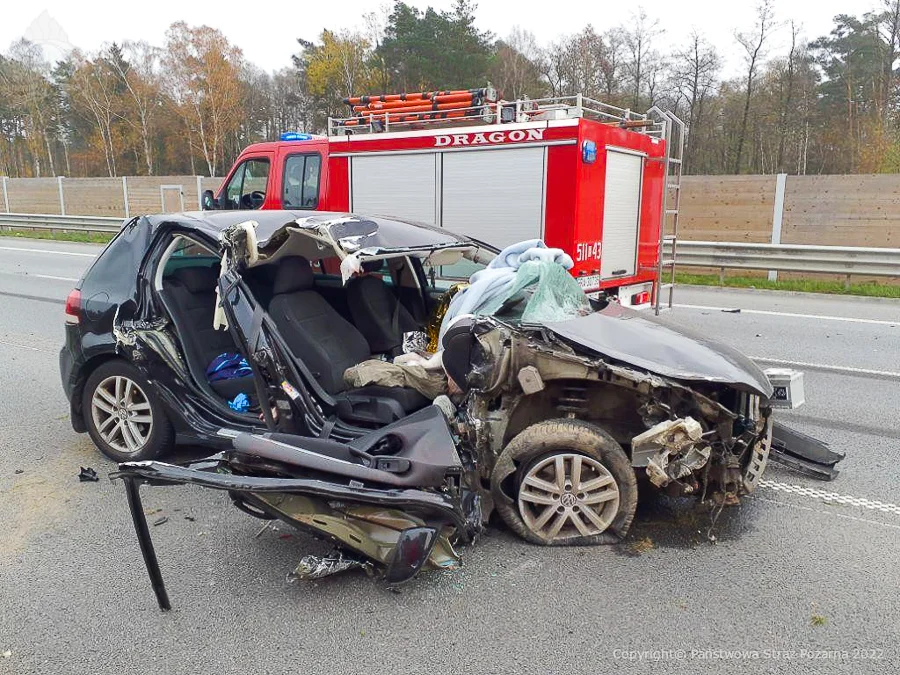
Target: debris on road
pixel 732 311
pixel 317 567
pixel 7 654
pixel 818 620
pixel 641 546
pixel 87 474
pixel 160 521
pixel 18 471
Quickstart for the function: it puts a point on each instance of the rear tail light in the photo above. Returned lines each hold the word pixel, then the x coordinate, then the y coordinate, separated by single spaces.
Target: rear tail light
pixel 73 306
pixel 641 298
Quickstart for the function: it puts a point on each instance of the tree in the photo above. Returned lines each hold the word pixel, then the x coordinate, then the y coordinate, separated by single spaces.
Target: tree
pixel 644 61
pixel 752 43
pixel 515 69
pixel 587 63
pixel 851 59
pixel 338 67
pixel 431 49
pixel 787 95
pixel 205 86
pixel 139 72
pixel 93 90
pixel 694 76
pixel 24 84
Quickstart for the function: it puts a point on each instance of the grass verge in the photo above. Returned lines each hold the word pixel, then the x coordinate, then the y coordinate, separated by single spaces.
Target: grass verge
pixel 870 289
pixel 81 237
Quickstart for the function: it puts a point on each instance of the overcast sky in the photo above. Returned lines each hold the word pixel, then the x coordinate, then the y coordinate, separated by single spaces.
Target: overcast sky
pixel 268 36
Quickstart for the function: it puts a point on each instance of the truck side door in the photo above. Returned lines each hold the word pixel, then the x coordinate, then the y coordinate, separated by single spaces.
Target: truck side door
pixel 248 186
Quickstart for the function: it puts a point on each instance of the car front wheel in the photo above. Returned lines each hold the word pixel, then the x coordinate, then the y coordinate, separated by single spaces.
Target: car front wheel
pixel 565 482
pixel 123 415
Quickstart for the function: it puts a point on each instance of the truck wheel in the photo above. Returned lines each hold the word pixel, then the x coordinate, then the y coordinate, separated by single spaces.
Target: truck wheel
pixel 123 415
pixel 565 483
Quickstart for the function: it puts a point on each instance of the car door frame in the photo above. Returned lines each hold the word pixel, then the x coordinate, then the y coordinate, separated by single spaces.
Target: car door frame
pixel 303 407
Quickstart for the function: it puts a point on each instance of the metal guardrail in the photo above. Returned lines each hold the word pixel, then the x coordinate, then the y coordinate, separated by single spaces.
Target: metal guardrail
pixel 44 221
pixel 845 260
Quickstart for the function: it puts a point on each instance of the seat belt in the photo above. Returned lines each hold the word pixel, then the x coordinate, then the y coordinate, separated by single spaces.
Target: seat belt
pixel 395 320
pixel 328 427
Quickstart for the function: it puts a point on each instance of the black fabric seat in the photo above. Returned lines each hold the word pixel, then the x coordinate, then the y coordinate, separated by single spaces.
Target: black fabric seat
pixel 378 314
pixel 328 344
pixel 191 294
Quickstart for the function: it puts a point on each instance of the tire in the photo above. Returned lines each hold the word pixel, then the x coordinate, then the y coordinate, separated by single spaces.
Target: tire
pixel 123 415
pixel 543 505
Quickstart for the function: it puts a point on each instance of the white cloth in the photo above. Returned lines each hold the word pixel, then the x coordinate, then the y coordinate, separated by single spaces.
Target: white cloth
pixel 497 278
pixel 434 362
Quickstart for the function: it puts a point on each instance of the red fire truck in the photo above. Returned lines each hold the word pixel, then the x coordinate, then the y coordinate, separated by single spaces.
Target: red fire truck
pixel 598 181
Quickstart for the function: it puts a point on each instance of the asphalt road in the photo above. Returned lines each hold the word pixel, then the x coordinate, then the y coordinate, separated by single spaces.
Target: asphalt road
pixel 794 582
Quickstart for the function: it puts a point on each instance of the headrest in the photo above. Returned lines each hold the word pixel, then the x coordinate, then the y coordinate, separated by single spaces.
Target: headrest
pixel 198 279
pixel 372 265
pixel 294 274
pixel 459 325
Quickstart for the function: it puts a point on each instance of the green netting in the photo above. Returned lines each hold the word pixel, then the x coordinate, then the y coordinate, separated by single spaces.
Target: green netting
pixel 549 293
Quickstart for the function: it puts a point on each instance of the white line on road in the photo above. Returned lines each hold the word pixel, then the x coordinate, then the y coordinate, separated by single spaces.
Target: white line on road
pixel 28 347
pixel 879 322
pixel 830 514
pixel 833 369
pixel 43 250
pixel 831 497
pixel 50 276
pixel 26 275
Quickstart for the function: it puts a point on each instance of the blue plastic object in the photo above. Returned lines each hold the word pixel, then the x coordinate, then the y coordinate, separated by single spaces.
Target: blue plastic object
pixel 589 152
pixel 240 403
pixel 227 366
pixel 295 136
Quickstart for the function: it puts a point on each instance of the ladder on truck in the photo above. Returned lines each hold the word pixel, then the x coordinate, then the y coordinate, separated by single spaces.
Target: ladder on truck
pixel 673 133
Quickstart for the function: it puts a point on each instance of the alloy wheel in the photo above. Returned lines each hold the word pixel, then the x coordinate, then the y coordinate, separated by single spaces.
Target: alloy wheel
pixel 568 495
pixel 121 413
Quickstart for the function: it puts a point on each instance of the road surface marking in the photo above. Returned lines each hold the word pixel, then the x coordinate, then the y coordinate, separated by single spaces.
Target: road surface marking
pixel 50 276
pixel 28 347
pixel 830 514
pixel 43 250
pixel 26 275
pixel 892 374
pixel 879 322
pixel 831 497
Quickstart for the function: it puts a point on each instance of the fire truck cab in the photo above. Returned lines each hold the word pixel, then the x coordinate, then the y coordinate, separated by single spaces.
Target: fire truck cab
pixel 600 182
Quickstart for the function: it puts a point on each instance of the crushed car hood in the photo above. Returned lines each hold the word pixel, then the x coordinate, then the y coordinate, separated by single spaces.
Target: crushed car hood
pixel 645 342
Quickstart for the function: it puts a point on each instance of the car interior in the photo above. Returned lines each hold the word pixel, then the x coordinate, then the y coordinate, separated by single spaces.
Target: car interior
pixel 325 324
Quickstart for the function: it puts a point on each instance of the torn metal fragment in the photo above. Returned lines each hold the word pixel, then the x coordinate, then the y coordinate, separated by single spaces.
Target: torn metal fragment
pixel 317 567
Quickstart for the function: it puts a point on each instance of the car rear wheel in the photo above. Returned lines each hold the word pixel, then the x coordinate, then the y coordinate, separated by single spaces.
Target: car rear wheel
pixel 123 415
pixel 565 482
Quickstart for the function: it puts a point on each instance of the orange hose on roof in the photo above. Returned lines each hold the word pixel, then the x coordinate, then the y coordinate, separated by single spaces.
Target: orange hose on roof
pixel 459 100
pixel 412 96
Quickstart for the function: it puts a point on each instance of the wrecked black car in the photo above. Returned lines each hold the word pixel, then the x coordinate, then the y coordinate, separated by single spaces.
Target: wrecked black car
pixel 356 390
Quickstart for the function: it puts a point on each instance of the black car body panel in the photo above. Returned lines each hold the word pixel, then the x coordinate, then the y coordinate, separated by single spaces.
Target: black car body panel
pixel 645 342
pixel 395 494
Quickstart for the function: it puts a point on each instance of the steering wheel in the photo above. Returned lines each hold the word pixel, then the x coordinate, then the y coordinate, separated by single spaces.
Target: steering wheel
pixel 253 200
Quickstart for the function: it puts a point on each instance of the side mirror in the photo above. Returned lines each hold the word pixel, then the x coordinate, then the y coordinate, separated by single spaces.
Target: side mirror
pixel 209 202
pixel 409 555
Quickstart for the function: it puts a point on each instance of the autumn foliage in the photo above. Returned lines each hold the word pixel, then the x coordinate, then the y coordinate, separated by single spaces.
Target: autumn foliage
pixel 189 104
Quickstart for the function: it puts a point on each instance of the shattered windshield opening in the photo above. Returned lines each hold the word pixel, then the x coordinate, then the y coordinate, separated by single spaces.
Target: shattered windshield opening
pixel 541 292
